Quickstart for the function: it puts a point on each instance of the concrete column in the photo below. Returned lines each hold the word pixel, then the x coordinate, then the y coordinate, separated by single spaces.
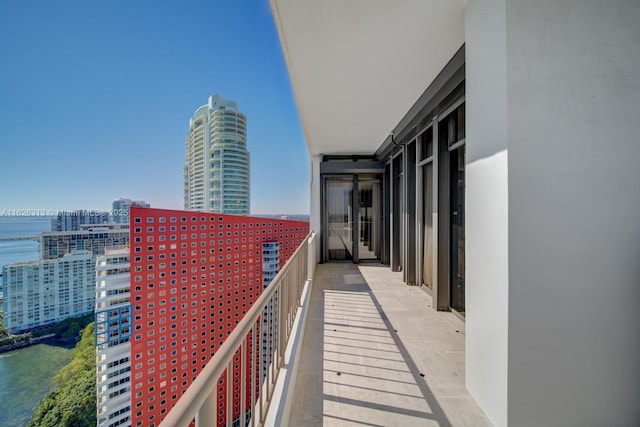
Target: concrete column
pixel 487 218
pixel 316 215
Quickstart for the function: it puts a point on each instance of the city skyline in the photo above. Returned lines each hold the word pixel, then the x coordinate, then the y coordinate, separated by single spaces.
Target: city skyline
pixel 86 104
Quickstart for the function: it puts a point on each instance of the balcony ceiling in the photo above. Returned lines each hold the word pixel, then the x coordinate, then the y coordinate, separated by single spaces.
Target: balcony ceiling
pixel 357 66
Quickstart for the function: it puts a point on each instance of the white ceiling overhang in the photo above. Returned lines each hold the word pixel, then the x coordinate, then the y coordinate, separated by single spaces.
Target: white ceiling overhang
pixel 357 66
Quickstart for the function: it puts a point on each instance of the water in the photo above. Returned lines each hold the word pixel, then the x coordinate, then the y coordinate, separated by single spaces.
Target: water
pixel 21 250
pixel 26 376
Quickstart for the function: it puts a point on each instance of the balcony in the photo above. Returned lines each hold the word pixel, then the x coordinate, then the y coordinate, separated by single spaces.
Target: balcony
pixel 363 349
pixel 376 353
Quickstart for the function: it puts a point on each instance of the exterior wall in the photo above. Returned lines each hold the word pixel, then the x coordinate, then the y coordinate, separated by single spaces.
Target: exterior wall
pixel 229 176
pixel 551 335
pixel 194 277
pixel 573 73
pixel 487 261
pixel 113 333
pixel 56 244
pixel 44 292
pixel 216 171
pixel 113 403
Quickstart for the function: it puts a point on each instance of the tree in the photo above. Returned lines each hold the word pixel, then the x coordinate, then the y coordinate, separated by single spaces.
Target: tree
pixel 3 331
pixel 69 328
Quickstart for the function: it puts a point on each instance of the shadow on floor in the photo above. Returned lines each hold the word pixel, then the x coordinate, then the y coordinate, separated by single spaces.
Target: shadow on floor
pixel 354 369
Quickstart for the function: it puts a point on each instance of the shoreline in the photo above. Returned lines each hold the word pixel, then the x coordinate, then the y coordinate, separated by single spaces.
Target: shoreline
pixel 45 339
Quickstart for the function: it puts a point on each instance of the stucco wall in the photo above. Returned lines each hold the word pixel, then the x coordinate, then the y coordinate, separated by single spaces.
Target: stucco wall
pixel 486 207
pixel 553 211
pixel 573 89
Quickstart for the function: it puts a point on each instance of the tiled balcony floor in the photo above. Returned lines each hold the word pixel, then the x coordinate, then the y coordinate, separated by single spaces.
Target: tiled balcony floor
pixel 376 354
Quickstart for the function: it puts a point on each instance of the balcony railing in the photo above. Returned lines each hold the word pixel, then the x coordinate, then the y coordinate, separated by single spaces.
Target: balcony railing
pixel 276 308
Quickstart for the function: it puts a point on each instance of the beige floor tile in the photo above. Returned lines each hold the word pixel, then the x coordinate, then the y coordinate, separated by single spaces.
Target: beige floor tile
pixel 376 354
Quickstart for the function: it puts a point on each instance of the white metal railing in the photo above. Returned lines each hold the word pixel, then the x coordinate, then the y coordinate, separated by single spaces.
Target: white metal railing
pixel 276 309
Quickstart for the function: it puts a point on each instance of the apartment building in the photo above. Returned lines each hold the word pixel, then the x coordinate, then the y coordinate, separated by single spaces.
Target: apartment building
pixel 216 170
pixel 193 277
pixel 40 293
pixel 120 209
pixel 113 328
pixel 72 220
pixel 56 244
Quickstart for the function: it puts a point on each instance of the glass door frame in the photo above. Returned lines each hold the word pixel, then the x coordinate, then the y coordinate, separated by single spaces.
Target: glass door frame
pixel 424 160
pixel 447 148
pixel 397 201
pixel 326 180
pixel 374 225
pixel 352 178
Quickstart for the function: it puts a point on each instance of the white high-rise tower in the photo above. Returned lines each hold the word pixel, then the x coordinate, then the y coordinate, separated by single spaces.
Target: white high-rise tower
pixel 216 170
pixel 113 316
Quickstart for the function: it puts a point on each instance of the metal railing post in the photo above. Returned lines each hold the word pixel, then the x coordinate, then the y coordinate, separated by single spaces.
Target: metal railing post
pixel 229 409
pixel 243 384
pixel 206 415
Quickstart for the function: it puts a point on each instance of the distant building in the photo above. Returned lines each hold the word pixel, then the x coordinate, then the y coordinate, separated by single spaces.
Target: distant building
pixel 113 332
pixel 102 227
pixel 72 220
pixel 216 170
pixel 120 209
pixel 39 293
pixel 54 245
pixel 270 262
pixel 270 268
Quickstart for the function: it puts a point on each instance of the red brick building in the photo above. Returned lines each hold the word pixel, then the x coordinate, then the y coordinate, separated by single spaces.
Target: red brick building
pixel 193 277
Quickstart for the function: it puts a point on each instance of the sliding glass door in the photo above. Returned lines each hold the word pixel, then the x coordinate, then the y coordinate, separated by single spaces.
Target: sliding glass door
pixel 427 225
pixel 339 221
pixel 352 219
pixel 369 220
pixel 457 228
pixel 427 247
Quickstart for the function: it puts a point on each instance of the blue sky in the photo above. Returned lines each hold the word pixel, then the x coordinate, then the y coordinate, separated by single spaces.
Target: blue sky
pixel 96 96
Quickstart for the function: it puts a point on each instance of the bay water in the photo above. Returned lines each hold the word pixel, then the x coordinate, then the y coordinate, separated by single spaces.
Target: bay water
pixel 12 251
pixel 26 375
